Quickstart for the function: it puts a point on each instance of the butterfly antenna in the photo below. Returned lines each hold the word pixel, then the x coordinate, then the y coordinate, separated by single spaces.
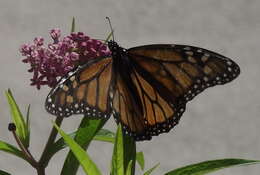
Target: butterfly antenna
pixel 112 31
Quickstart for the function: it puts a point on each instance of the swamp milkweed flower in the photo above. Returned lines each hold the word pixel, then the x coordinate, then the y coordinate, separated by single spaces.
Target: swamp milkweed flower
pixel 50 62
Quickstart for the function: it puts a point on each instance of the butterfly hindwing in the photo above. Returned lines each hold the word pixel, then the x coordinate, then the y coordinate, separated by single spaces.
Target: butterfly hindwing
pixel 124 110
pixel 83 91
pixel 158 115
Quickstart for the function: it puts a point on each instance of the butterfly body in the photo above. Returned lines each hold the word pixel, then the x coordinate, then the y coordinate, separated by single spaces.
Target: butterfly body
pixel 145 88
pixel 123 67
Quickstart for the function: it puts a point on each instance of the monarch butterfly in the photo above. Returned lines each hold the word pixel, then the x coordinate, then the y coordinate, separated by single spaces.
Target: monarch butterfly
pixel 145 88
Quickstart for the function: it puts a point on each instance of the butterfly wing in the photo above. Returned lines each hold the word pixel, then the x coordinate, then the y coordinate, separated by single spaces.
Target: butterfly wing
pixel 158 116
pixel 167 77
pixel 184 70
pixel 83 91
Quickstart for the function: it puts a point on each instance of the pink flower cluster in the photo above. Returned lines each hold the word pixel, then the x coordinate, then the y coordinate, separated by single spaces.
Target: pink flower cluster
pixel 49 63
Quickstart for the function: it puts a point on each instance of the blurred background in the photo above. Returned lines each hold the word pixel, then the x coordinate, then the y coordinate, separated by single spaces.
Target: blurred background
pixel 222 122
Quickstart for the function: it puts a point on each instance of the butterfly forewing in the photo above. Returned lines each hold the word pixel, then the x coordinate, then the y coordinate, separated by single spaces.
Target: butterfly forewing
pixel 83 91
pixel 183 70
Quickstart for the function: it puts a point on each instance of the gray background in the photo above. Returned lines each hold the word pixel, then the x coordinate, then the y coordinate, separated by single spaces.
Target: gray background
pixel 221 122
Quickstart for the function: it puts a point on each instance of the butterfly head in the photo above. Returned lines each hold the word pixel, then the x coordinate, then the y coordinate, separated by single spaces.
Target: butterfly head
pixel 113 47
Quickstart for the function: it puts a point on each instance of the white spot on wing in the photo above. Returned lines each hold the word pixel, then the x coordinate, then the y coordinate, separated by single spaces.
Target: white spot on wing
pixel 72 78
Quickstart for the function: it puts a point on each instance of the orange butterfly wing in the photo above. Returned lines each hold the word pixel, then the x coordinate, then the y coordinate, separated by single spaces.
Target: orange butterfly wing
pixel 158 115
pixel 83 91
pixel 166 77
pixel 184 70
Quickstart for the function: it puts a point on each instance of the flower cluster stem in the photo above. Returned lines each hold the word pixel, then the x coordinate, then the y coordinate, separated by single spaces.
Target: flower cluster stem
pixel 50 141
pixel 40 171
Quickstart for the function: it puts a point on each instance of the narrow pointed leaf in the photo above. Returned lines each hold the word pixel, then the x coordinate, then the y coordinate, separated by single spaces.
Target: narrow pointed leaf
pixel 4 173
pixel 73 25
pixel 124 153
pixel 129 152
pixel 8 148
pixel 18 119
pixel 102 135
pixel 210 166
pixel 87 130
pixel 140 159
pixel 129 168
pixel 28 124
pixel 87 164
pixel 118 154
pixel 148 172
pixel 28 115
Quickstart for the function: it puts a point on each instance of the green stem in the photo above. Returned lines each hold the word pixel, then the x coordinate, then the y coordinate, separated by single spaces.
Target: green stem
pixel 42 162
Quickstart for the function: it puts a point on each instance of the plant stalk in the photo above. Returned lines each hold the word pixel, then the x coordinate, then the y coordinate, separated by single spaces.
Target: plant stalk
pixel 40 170
pixel 25 151
pixel 42 162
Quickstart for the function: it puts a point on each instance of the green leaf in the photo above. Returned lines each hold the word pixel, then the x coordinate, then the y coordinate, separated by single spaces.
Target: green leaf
pixel 129 168
pixel 124 153
pixel 28 116
pixel 8 148
pixel 27 124
pixel 129 152
pixel 87 164
pixel 4 173
pixel 86 131
pixel 73 25
pixel 140 159
pixel 210 166
pixel 148 172
pixel 18 119
pixel 105 136
pixel 118 154
pixel 102 135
